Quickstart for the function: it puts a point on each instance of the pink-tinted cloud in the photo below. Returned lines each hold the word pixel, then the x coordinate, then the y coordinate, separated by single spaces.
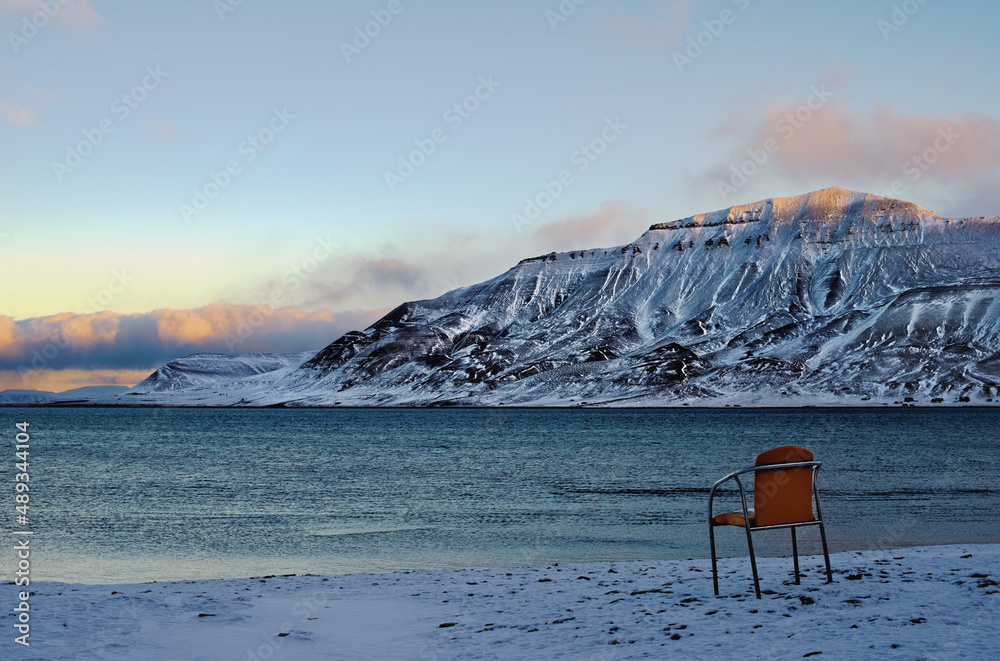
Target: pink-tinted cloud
pixel 163 132
pixel 112 341
pixel 841 142
pixel 665 26
pixel 19 5
pixel 62 380
pixel 941 157
pixel 75 13
pixel 17 115
pixel 614 223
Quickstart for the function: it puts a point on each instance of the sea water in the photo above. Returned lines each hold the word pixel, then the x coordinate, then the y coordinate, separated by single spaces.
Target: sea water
pixel 132 495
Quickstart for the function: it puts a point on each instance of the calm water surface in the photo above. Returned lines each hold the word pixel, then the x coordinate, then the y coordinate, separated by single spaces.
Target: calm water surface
pixel 156 494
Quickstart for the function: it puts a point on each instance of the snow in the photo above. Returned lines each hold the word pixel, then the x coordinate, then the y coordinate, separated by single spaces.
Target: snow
pixel 209 369
pixel 86 393
pixel 835 297
pixel 928 602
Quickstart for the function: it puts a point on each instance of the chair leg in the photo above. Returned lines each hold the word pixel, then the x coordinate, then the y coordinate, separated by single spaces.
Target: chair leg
pixel 795 554
pixel 753 563
pixel 826 553
pixel 715 571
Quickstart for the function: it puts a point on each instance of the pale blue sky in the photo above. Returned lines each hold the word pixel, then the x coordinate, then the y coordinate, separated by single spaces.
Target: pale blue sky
pixel 450 223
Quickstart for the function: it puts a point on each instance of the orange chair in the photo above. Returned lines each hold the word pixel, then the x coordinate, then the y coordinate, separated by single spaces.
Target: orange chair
pixel 784 485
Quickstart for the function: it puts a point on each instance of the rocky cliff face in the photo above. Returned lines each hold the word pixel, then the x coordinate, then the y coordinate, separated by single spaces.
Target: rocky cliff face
pixel 831 297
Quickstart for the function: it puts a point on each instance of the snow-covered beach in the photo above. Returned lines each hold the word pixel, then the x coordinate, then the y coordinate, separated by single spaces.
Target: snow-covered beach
pixel 940 602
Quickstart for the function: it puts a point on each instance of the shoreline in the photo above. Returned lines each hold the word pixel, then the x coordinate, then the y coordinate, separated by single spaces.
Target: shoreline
pixel 926 601
pixel 111 581
pixel 599 406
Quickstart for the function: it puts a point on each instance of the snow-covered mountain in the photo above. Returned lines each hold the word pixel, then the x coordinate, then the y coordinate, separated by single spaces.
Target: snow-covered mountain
pixel 87 394
pixel 208 369
pixel 834 297
pixel 204 378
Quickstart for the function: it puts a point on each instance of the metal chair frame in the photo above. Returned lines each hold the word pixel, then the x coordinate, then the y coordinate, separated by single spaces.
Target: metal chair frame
pixel 817 521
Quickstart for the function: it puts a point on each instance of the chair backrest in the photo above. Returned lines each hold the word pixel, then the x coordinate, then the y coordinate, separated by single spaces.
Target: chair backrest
pixel 783 495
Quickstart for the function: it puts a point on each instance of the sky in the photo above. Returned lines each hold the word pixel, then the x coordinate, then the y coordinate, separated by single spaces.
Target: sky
pixel 241 176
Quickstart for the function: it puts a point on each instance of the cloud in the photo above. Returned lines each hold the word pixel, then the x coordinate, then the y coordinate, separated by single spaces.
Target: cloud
pixel 112 341
pixel 842 142
pixel 354 279
pixel 670 21
pixel 882 150
pixel 74 13
pixel 614 223
pixel 389 272
pixel 17 115
pixel 62 380
pixel 164 132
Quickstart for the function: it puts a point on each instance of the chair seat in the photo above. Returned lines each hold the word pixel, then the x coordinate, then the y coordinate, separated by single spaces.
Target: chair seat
pixel 733 519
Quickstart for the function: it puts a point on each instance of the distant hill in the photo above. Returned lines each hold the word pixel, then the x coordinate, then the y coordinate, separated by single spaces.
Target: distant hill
pixel 37 396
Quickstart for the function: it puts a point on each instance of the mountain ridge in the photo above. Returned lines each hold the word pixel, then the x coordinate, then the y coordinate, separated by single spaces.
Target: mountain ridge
pixel 832 297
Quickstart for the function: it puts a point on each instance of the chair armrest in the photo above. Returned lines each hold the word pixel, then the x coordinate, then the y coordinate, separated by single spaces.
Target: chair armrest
pixel 735 475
